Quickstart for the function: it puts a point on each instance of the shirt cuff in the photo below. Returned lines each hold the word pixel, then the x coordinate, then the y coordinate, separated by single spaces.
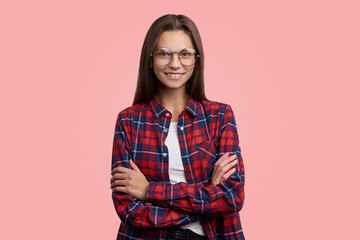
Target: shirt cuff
pixel 156 191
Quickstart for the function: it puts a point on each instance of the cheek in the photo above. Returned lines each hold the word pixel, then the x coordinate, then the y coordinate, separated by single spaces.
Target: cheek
pixel 191 71
pixel 158 70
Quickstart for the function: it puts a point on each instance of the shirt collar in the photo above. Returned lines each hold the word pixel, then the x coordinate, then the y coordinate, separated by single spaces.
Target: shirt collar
pixel 159 109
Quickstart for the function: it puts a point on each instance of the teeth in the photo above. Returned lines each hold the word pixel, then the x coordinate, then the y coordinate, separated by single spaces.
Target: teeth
pixel 174 75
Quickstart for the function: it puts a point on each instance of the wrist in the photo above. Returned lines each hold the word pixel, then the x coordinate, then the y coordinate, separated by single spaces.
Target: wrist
pixel 146 191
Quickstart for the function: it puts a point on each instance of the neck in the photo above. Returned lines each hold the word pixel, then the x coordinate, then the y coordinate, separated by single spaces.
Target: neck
pixel 174 101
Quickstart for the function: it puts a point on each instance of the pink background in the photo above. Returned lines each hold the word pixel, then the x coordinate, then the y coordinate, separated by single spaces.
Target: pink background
pixel 289 69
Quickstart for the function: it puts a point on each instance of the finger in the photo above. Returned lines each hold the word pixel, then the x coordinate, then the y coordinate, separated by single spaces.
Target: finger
pixel 219 171
pixel 133 166
pixel 222 158
pixel 219 161
pixel 118 176
pixel 223 163
pixel 227 167
pixel 118 183
pixel 228 174
pixel 230 158
pixel 227 160
pixel 119 189
pixel 119 170
pixel 218 175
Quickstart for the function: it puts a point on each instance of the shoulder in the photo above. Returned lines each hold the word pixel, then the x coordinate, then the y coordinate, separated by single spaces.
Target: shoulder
pixel 215 108
pixel 132 111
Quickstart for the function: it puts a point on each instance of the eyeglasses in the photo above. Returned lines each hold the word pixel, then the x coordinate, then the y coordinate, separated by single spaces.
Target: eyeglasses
pixel 163 56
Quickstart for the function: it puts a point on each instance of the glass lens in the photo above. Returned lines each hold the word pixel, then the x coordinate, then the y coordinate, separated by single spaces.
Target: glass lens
pixel 162 56
pixel 188 56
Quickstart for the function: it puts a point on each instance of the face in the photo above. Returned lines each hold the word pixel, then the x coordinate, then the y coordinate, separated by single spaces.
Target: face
pixel 174 75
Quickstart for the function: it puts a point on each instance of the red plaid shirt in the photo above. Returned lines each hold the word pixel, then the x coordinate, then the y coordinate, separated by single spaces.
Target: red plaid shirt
pixel 206 130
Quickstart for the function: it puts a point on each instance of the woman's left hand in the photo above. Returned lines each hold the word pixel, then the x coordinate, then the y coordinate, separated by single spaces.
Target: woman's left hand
pixel 130 181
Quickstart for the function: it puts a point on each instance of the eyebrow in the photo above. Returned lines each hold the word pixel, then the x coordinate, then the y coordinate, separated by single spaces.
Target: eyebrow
pixel 176 51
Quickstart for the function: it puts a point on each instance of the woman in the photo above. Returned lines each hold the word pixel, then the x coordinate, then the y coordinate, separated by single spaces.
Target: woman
pixel 177 170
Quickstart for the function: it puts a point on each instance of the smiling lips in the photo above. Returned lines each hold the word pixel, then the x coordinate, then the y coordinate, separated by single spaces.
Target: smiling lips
pixel 174 75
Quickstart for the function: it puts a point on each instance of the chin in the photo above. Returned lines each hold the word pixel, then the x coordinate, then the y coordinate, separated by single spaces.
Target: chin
pixel 174 86
pixel 168 83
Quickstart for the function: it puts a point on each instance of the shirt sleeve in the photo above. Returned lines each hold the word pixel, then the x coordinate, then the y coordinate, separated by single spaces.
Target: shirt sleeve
pixel 132 211
pixel 225 198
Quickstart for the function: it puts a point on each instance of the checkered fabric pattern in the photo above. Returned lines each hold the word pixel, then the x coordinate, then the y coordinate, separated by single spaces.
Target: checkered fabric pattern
pixel 206 130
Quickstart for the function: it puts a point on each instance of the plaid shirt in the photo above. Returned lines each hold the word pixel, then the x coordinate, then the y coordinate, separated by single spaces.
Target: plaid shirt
pixel 206 130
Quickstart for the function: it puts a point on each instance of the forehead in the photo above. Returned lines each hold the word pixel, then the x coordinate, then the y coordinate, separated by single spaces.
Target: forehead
pixel 174 40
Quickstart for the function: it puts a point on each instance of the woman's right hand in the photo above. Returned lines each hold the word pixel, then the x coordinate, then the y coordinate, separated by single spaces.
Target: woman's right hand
pixel 223 168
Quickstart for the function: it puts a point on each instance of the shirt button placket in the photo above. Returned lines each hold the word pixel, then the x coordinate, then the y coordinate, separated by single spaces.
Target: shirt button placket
pixel 165 131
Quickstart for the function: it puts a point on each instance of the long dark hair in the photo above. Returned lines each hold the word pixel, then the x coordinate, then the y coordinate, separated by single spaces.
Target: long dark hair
pixel 147 83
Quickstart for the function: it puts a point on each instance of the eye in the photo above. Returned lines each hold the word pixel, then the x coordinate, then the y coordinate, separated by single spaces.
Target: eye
pixel 162 54
pixel 186 54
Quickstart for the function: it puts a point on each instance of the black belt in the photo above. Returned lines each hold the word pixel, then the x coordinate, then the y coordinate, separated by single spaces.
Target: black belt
pixel 183 234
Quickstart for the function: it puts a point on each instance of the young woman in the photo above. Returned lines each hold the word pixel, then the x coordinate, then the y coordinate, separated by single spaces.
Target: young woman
pixel 177 170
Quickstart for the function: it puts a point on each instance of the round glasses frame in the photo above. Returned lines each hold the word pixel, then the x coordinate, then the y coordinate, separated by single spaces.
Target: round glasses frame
pixel 171 54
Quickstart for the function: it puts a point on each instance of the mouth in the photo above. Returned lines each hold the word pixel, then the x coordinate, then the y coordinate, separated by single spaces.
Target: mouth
pixel 174 75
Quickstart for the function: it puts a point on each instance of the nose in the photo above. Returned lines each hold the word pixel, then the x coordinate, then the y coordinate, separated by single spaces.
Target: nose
pixel 175 61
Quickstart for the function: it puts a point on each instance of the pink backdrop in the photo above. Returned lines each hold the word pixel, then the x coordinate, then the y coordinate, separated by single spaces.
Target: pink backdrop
pixel 289 69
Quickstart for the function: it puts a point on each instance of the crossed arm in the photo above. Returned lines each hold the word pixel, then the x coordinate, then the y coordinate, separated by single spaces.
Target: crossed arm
pixel 146 204
pixel 133 182
pixel 130 189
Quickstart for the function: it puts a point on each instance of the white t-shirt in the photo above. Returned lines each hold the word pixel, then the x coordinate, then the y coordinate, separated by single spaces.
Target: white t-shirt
pixel 176 169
